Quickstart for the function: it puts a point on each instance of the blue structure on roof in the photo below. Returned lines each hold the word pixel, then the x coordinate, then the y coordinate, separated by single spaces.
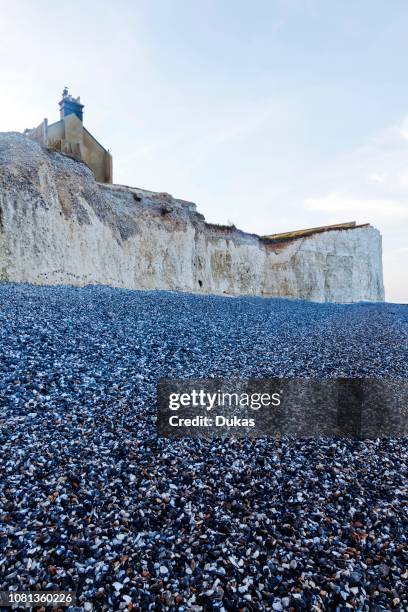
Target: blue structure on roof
pixel 70 105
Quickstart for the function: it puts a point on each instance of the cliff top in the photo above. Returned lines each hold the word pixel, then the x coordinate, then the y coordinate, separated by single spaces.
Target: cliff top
pixel 21 156
pixel 285 236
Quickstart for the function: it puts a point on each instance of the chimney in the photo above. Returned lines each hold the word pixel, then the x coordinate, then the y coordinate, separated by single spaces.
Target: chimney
pixel 70 105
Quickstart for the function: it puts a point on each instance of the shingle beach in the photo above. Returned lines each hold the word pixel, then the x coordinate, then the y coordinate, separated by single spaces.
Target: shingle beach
pixel 93 500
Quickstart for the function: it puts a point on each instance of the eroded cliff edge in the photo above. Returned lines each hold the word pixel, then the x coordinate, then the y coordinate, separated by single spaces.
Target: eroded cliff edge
pixel 58 226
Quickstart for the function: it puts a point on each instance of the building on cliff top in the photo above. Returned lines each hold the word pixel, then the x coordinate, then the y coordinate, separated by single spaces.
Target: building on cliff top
pixel 69 136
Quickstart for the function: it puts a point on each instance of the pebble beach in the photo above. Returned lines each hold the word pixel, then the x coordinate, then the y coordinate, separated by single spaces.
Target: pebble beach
pixel 92 500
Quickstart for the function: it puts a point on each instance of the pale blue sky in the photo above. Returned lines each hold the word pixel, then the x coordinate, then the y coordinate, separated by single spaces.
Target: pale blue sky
pixel 275 115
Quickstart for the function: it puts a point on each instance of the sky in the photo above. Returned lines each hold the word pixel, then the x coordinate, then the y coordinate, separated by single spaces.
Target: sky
pixel 274 115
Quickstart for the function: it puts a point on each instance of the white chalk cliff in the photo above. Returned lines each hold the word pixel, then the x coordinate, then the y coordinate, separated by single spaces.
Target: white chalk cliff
pixel 58 226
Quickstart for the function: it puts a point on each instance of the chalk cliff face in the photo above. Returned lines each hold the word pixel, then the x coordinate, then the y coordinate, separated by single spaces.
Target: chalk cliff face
pixel 58 226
